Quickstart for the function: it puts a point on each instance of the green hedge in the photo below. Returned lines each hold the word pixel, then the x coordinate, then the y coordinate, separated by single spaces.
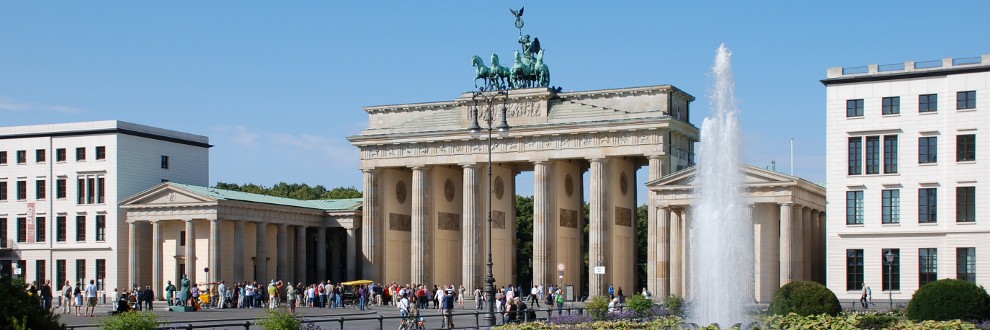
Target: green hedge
pixel 949 299
pixel 18 309
pixel 805 298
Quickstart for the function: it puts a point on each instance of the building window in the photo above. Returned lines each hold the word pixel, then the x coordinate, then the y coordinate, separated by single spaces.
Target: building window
pixel 854 108
pixel 855 155
pixel 39 231
pixel 22 190
pixel 101 271
pixel 101 228
pixel 927 150
pixel 3 232
pixel 165 162
pixel 60 155
pixel 21 230
pixel 891 105
pixel 966 264
pixel 60 188
pixel 927 266
pixel 182 238
pixel 101 152
pixel 891 271
pixel 39 155
pixel 59 275
pixel 891 206
pixel 39 189
pixel 3 158
pixel 966 147
pixel 90 190
pixel 965 204
pixel 80 272
pixel 22 157
pixel 80 154
pixel 3 190
pixel 928 103
pixel 60 228
pixel 966 100
pixel 854 207
pixel 101 189
pixel 39 271
pixel 854 270
pixel 890 154
pixel 927 205
pixel 81 191
pixel 872 155
pixel 80 228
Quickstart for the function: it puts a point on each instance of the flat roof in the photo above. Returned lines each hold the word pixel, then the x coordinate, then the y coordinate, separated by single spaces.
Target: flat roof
pixel 103 127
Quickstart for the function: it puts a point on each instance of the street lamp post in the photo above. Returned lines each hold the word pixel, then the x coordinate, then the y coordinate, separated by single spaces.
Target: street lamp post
pixel 490 96
pixel 890 275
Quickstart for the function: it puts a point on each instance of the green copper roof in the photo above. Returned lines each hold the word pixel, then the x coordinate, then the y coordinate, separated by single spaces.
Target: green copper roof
pixel 223 194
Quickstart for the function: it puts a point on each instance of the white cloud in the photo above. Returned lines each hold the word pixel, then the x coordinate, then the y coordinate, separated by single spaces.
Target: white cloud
pixel 10 104
pixel 240 135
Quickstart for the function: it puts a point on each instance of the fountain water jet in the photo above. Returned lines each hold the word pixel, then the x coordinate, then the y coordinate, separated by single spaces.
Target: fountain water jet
pixel 721 229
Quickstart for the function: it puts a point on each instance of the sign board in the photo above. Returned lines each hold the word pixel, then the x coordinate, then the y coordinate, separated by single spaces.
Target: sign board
pixel 30 223
pixel 17 271
pixel 560 267
pixel 599 270
pixel 569 292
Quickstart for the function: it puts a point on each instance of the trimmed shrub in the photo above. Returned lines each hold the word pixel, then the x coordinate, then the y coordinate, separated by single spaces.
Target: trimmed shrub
pixel 279 320
pixel 805 298
pixel 19 309
pixel 597 307
pixel 641 305
pixel 674 305
pixel 131 321
pixel 949 299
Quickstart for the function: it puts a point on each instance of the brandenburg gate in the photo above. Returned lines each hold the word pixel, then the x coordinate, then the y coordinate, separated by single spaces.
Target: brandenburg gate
pixel 425 185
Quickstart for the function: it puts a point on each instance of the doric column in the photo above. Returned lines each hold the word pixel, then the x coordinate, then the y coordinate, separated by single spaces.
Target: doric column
pixel 812 254
pixel 282 269
pixel 371 246
pixel 132 246
pixel 598 232
pixel 652 233
pixel 471 273
pixel 422 256
pixel 321 254
pixel 156 259
pixel 260 252
pixel 662 254
pixel 543 233
pixel 352 255
pixel 191 250
pixel 686 252
pixel 215 242
pixel 301 247
pixel 786 231
pixel 675 253
pixel 239 246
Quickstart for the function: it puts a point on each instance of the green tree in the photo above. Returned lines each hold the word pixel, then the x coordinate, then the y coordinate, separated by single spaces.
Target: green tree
pixel 16 306
pixel 341 193
pixel 293 190
pixel 642 231
pixel 524 240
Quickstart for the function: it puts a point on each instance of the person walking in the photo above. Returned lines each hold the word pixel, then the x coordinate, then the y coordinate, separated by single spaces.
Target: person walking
pixel 46 295
pixel 149 297
pixel 448 309
pixel 478 301
pixel 611 292
pixel 91 298
pixel 534 296
pixel 290 298
pixel 560 301
pixel 361 293
pixel 77 298
pixel 862 298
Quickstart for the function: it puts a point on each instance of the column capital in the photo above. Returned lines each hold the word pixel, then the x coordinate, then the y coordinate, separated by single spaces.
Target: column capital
pixel 420 167
pixel 655 156
pixel 600 159
pixel 786 204
pixel 188 219
pixel 373 170
pixel 470 165
pixel 542 162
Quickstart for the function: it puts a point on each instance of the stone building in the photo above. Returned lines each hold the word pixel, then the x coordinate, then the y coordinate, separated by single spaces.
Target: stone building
pixel 60 185
pixel 426 185
pixel 211 234
pixel 788 229
pixel 906 164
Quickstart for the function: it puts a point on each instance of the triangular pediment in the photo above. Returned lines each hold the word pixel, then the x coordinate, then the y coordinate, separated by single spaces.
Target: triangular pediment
pixel 166 194
pixel 752 176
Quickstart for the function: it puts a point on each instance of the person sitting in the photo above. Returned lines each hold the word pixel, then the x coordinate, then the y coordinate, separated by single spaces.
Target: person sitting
pixel 123 305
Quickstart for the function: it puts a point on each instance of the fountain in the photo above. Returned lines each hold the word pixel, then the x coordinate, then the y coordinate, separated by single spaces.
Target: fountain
pixel 721 229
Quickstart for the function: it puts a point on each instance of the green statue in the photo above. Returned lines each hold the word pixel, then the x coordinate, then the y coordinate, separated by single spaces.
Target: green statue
pixel 500 74
pixel 542 70
pixel 184 291
pixel 528 69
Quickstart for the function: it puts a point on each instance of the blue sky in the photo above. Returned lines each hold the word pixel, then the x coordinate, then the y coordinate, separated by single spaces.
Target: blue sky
pixel 277 86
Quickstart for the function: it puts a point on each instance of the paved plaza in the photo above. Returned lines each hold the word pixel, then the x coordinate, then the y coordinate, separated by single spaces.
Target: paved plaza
pixel 325 318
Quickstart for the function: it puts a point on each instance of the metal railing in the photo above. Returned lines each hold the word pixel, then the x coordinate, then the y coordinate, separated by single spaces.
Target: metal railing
pixel 928 64
pixel 890 67
pixel 966 61
pixel 855 70
pixel 393 320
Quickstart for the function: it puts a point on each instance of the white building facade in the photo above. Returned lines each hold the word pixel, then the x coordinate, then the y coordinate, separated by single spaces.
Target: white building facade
pixel 60 186
pixel 907 161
